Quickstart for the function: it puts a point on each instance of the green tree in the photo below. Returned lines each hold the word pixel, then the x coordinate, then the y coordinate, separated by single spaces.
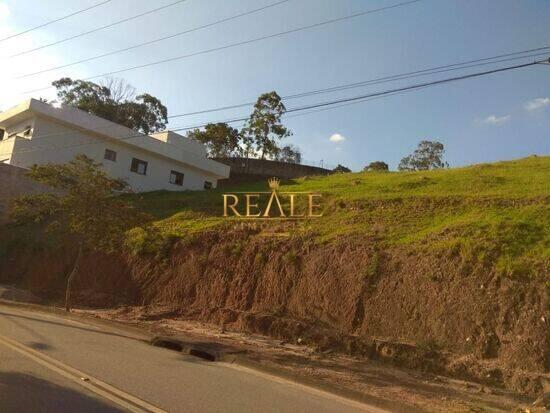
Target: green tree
pixel 221 140
pixel 84 207
pixel 289 154
pixel 377 166
pixel 116 102
pixel 247 146
pixel 428 155
pixel 341 169
pixel 264 128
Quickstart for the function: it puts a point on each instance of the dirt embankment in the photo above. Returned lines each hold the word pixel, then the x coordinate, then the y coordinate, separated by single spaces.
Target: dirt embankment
pixel 415 309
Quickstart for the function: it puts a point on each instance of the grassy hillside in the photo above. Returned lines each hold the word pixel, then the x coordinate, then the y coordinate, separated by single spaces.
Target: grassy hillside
pixel 496 212
pixel 495 215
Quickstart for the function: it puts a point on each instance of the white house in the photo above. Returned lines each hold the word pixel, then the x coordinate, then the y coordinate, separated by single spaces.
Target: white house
pixel 35 132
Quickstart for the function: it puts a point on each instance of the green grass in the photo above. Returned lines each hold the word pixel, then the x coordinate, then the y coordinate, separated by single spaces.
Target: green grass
pixel 519 179
pixel 492 215
pixel 495 214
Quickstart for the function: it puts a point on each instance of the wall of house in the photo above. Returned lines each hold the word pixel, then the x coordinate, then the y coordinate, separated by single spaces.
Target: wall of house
pixel 7 140
pixel 14 183
pixel 6 148
pixel 188 145
pixel 55 142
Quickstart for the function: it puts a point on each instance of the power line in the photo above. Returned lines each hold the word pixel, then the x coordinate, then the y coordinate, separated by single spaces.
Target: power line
pixel 334 103
pixel 89 59
pixel 231 45
pixel 402 76
pixel 421 72
pixel 413 74
pixel 417 86
pixel 97 29
pixel 293 115
pixel 384 93
pixel 55 20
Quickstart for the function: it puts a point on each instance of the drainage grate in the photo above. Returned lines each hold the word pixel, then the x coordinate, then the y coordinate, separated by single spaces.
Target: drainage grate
pixel 202 354
pixel 183 347
pixel 168 344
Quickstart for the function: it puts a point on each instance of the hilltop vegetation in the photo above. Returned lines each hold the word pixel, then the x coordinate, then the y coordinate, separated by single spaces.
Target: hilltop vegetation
pixel 446 270
pixel 498 213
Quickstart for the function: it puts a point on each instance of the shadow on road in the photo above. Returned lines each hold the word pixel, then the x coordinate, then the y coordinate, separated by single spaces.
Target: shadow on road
pixel 39 346
pixel 24 393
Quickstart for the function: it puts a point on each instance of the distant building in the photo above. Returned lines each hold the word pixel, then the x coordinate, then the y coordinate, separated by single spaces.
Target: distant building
pixel 35 132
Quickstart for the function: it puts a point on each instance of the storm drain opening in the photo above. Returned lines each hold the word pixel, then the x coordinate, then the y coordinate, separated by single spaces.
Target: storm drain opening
pixel 202 354
pixel 168 344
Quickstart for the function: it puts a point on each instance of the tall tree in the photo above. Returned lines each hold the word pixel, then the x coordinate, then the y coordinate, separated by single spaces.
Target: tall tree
pixel 377 166
pixel 120 90
pixel 341 169
pixel 289 154
pixel 114 101
pixel 85 208
pixel 428 155
pixel 221 140
pixel 264 127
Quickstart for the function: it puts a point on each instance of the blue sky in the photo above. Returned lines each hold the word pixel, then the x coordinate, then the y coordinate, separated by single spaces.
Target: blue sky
pixel 502 116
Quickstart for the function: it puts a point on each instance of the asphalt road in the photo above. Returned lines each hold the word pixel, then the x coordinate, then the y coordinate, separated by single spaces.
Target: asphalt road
pixel 49 363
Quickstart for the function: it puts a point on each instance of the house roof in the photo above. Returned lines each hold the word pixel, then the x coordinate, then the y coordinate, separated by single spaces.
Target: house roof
pixel 182 149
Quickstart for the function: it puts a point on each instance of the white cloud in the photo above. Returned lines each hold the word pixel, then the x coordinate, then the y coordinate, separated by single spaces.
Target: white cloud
pixel 336 137
pixel 496 120
pixel 537 103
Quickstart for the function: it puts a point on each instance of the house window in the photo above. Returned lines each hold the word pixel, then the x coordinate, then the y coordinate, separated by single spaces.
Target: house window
pixel 2 131
pixel 139 166
pixel 207 185
pixel 176 178
pixel 110 155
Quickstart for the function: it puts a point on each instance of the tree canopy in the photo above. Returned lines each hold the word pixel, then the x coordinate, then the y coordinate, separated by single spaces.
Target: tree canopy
pixel 116 101
pixel 259 137
pixel 221 140
pixel 264 128
pixel 428 155
pixel 84 207
pixel 377 166
pixel 289 154
pixel 341 169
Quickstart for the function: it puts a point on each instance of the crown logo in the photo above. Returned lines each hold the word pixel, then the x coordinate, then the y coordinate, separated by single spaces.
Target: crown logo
pixel 273 183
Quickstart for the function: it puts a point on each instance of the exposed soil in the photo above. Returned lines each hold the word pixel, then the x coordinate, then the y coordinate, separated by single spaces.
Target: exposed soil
pixel 434 313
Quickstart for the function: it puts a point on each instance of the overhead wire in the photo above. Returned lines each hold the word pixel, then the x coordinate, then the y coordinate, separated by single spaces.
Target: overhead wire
pixel 106 26
pixel 357 84
pixel 385 79
pixel 11 36
pixel 241 43
pixel 194 29
pixel 360 98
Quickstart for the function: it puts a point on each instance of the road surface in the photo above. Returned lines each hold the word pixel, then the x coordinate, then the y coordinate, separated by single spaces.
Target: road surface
pixel 50 363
